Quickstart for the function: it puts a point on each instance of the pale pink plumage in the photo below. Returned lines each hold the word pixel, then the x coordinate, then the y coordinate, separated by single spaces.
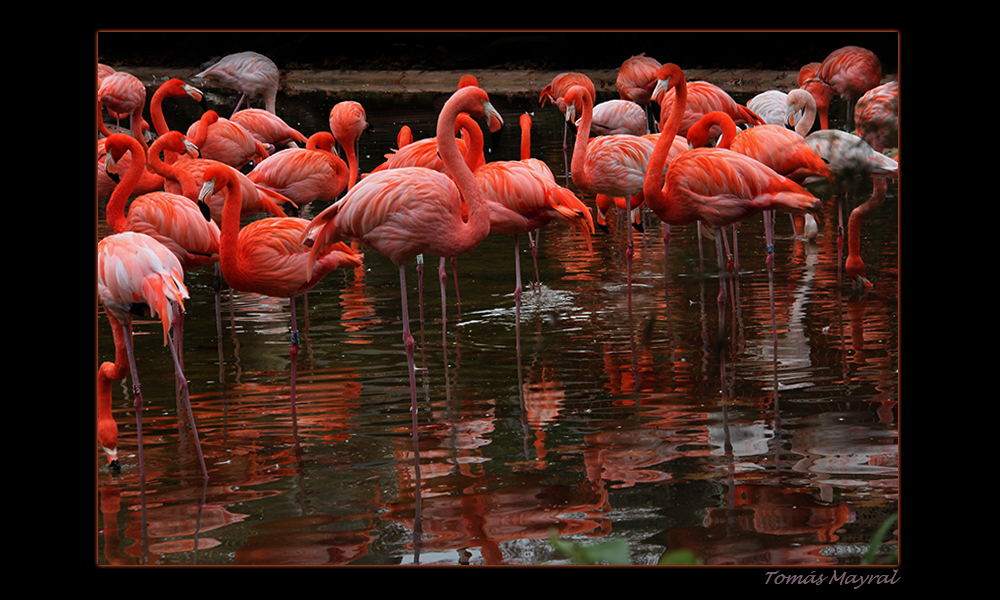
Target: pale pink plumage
pixel 249 73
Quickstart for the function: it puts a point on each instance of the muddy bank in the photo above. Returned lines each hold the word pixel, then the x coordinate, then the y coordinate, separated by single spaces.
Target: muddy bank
pixel 745 81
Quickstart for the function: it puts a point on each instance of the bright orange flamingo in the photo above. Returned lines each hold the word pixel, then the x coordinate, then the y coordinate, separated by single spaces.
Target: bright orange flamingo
pixel 782 149
pixel 348 121
pixel 173 220
pixel 225 141
pixel 249 73
pixel 267 256
pixel 136 275
pixel 877 119
pixel 255 199
pixel 172 88
pixel 268 128
pixel 613 165
pixel 715 186
pixel 796 109
pixel 846 73
pixel 404 212
pixel 702 98
pixel 304 175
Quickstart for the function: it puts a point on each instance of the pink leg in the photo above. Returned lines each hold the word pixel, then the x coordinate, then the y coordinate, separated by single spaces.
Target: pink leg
pixel 186 397
pixel 409 344
pixel 294 351
pixel 137 390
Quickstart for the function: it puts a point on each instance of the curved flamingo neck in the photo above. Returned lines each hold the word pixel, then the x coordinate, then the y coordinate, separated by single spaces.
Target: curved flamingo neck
pixel 200 133
pixel 229 229
pixel 172 143
pixel 324 142
pixel 652 187
pixel 107 373
pixel 116 203
pixel 699 132
pixel 475 156
pixel 464 100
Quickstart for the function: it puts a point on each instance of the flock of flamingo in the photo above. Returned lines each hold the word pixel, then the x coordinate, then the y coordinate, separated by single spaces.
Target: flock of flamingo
pixel 705 159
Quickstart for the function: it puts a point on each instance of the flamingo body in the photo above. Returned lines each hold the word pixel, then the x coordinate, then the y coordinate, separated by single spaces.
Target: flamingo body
pixel 702 98
pixel 304 175
pixel 249 73
pixel 225 141
pixel 267 127
pixel 171 219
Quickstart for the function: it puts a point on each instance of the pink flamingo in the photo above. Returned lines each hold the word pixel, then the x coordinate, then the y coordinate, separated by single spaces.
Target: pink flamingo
pixel 268 128
pixel 613 165
pixel 846 73
pixel 122 94
pixel 267 256
pixel 522 200
pixel 173 220
pixel 172 88
pixel 225 141
pixel 716 186
pixel 136 275
pixel 555 92
pixel 249 73
pixel 347 122
pixel 404 212
pixel 636 80
pixel 304 175
pixel 877 117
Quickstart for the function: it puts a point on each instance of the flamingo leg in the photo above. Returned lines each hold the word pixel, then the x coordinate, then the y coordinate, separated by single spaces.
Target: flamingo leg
pixel 137 391
pixel 294 351
pixel 409 344
pixel 443 279
pixel 186 397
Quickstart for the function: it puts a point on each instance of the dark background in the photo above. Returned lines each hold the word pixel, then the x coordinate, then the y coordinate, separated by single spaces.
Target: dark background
pixel 539 50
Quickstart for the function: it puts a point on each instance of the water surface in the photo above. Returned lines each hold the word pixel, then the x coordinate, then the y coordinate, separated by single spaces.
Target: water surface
pixel 588 420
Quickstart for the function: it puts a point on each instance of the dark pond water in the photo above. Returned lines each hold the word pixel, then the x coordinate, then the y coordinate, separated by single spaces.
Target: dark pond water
pixel 604 425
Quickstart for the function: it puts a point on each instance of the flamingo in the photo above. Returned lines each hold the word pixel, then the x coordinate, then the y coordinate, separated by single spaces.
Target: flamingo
pixel 268 128
pixel 405 212
pixel 781 149
pixel 304 175
pixel 347 122
pixel 877 117
pixel 496 121
pixel 249 73
pixel 797 108
pixel 716 186
pixel 173 220
pixel 122 93
pixel 613 165
pixel 172 88
pixel 225 141
pixel 555 92
pixel 522 200
pixel 846 73
pixel 267 256
pixel 618 116
pixel 636 80
pixel 702 98
pixel 136 275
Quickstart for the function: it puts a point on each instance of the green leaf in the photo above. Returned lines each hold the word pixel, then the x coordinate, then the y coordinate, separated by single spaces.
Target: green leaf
pixel 680 557
pixel 614 552
pixel 880 533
